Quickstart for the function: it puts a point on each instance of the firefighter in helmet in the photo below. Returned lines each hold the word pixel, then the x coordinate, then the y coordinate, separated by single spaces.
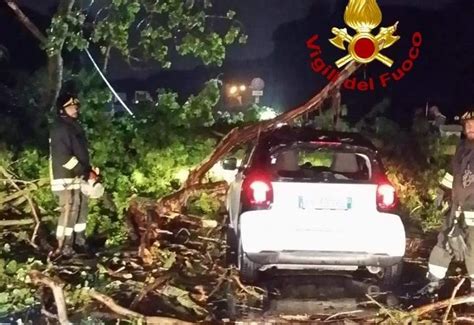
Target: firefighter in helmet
pixel 456 238
pixel 72 177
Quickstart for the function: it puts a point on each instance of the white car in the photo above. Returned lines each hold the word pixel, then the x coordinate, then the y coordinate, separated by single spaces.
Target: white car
pixel 309 199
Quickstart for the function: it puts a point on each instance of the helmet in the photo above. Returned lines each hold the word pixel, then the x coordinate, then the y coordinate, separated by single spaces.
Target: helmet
pixel 64 100
pixel 468 115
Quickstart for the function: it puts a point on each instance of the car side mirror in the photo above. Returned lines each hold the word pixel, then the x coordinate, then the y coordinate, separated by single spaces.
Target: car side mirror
pixel 229 164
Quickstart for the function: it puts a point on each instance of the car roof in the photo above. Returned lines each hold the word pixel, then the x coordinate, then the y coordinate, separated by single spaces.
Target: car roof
pixel 306 134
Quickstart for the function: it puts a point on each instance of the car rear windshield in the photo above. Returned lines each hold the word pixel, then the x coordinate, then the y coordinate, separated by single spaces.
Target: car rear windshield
pixel 310 162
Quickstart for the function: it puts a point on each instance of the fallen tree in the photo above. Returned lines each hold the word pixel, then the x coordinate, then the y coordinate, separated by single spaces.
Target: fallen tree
pixel 185 282
pixel 175 202
pixel 238 136
pixel 16 194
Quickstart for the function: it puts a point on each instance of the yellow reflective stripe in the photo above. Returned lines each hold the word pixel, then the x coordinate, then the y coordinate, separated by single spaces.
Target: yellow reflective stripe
pixel 71 101
pixel 71 163
pixel 62 184
pixel 79 227
pixel 448 176
pixel 469 218
pixel 62 231
pixel 469 214
pixel 66 181
pixel 65 187
pixel 447 181
pixel 467 116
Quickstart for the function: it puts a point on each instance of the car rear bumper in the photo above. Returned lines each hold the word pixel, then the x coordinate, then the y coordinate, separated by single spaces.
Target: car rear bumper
pixel 323 258
pixel 359 237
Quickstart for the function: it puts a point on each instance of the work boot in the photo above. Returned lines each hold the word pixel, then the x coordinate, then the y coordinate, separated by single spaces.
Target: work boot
pixel 68 251
pixel 64 250
pixel 80 243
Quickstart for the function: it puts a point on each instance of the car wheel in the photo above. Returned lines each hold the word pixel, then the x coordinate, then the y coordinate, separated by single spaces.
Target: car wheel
pixel 391 276
pixel 248 269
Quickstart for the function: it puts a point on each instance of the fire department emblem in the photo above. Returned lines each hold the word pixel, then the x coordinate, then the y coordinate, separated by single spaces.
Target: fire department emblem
pixel 363 16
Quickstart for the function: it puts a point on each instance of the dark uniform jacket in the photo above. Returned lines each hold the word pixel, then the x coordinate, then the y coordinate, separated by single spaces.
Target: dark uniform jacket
pixel 69 160
pixel 462 195
pixel 463 176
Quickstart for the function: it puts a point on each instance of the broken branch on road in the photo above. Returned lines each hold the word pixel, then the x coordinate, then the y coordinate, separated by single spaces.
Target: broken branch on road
pixel 122 311
pixel 57 289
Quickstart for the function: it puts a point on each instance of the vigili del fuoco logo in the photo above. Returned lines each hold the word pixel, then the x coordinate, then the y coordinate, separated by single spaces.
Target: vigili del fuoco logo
pixel 363 16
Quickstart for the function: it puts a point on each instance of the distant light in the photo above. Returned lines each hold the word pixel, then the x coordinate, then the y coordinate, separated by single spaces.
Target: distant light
pixel 233 90
pixel 243 88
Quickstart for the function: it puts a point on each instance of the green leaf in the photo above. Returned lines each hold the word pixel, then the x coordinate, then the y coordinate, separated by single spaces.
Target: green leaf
pixel 170 260
pixel 182 296
pixel 11 268
pixel 4 298
pixel 230 14
pixel 231 35
pixel 5 308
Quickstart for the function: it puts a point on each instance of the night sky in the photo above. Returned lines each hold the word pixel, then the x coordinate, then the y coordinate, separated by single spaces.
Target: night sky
pixel 276 51
pixel 262 17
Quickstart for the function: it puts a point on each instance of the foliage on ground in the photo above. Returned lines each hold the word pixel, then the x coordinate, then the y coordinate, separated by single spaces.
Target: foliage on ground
pixel 183 276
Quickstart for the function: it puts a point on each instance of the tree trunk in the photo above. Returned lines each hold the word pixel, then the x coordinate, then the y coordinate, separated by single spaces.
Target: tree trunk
pixel 238 136
pixel 336 107
pixel 55 62
pixel 55 79
pixel 106 59
pixel 26 21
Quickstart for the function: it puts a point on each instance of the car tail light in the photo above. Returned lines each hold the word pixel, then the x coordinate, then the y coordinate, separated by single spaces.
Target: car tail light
pixel 257 190
pixel 386 196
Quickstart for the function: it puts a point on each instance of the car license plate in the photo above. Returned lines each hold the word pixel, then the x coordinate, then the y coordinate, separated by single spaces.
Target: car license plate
pixel 325 203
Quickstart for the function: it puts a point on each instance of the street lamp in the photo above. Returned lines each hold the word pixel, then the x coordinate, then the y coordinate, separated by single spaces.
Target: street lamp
pixel 233 90
pixel 237 91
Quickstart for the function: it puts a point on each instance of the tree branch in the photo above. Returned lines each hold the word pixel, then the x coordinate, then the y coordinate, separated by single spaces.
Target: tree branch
pixel 122 311
pixel 238 136
pixel 453 295
pixel 106 59
pixel 22 222
pixel 443 304
pixel 26 21
pixel 147 289
pixel 33 208
pixel 39 278
pixel 55 62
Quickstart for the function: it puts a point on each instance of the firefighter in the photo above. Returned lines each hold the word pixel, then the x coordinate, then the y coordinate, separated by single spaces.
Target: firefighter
pixel 71 174
pixel 456 238
pixel 437 119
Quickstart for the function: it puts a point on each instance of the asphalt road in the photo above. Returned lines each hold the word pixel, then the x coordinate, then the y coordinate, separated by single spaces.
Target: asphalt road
pixel 311 298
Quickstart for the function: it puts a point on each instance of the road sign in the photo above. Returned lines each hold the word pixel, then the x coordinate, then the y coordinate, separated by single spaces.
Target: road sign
pixel 257 84
pixel 257 92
